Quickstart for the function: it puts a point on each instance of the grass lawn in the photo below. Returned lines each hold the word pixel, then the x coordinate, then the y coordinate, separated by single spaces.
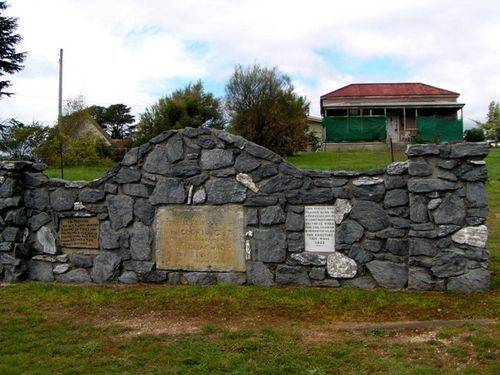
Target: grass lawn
pixel 51 328
pixel 79 173
pixel 358 160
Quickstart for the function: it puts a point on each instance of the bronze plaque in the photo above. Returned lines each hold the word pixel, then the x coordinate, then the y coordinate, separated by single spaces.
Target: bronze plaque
pixel 79 232
pixel 200 238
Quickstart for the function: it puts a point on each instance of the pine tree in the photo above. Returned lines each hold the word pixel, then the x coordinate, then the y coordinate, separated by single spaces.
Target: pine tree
pixel 10 60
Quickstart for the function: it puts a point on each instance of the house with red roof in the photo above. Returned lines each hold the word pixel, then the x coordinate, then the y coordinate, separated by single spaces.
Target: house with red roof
pixel 377 112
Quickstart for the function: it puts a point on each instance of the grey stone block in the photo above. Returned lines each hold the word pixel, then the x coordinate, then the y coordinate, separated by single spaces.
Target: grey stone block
pixel 426 185
pixel 422 246
pixel 259 274
pixel 280 183
pixel 294 221
pixel 120 209
pixel 78 275
pixel 140 243
pixel 222 191
pixel 127 175
pixel 136 190
pixel 397 197
pixel 246 163
pixel 128 277
pixel 388 274
pixel 80 260
pixel 369 215
pixel 138 266
pixel 270 244
pixel 291 275
pixel 419 279
pixel 317 273
pixel 477 196
pixel 465 149
pixel 472 281
pixel 216 159
pixel 363 282
pixel 448 263
pixel 418 208
pixel 231 278
pixel 349 232
pixel 144 211
pixel 36 198
pixel 450 211
pixel 199 278
pixel 168 191
pixel 272 215
pixel 40 271
pixel 422 149
pixel 419 167
pixel 91 195
pixel 106 267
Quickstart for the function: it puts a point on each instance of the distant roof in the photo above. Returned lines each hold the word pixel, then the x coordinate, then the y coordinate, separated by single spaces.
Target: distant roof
pixel 407 89
pixel 314 118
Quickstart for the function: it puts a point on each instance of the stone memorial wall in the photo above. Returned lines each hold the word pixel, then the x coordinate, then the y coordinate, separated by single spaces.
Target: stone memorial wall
pixel 201 206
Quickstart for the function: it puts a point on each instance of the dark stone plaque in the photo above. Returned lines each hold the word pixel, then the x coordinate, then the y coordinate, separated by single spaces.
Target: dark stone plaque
pixel 79 232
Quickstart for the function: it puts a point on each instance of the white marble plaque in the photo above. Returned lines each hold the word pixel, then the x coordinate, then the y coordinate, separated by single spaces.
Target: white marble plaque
pixel 319 228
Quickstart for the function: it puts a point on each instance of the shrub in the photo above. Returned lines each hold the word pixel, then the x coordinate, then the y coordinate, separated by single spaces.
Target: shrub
pixel 314 140
pixel 83 150
pixel 474 135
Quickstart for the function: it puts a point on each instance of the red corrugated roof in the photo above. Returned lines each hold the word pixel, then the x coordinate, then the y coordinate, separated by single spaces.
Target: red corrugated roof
pixel 388 89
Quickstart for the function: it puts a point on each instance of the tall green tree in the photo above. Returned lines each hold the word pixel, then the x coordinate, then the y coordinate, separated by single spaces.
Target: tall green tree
pixel 190 106
pixel 492 124
pixel 115 119
pixel 20 142
pixel 264 108
pixel 10 60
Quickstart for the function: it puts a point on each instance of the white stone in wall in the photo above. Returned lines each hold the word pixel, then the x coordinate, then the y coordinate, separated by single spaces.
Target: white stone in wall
pixel 247 181
pixel 200 196
pixel 341 208
pixel 472 236
pixel 77 206
pixel 190 195
pixel 340 266
pixel 366 181
pixel 61 268
pixel 46 240
pixel 248 250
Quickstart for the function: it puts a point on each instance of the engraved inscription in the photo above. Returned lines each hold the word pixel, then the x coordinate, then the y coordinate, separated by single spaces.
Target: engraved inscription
pixel 204 238
pixel 319 228
pixel 79 232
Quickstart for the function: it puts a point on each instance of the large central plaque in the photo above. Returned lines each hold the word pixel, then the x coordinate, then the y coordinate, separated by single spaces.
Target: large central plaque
pixel 200 238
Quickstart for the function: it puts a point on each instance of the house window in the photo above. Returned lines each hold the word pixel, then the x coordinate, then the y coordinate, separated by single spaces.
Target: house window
pixel 377 112
pixel 336 112
pixel 353 112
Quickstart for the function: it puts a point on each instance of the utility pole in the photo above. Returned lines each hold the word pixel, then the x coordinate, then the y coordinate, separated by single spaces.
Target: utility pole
pixel 59 112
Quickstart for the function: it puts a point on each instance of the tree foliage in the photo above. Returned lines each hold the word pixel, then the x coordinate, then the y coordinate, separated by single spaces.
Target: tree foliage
pixel 10 60
pixel 115 119
pixel 21 142
pixel 87 149
pixel 264 108
pixel 191 106
pixel 474 135
pixel 492 124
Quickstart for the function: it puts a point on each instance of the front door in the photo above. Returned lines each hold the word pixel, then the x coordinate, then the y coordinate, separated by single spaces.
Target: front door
pixel 392 126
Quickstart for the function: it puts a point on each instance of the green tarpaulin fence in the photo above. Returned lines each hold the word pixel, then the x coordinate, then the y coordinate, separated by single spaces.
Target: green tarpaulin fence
pixel 355 128
pixel 440 129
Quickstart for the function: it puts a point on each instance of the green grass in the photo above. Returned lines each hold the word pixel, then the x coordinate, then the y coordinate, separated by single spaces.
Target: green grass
pixel 47 328
pixel 358 160
pixel 86 173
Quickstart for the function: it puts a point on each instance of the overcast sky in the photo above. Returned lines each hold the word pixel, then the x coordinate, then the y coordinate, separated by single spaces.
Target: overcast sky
pixel 133 52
